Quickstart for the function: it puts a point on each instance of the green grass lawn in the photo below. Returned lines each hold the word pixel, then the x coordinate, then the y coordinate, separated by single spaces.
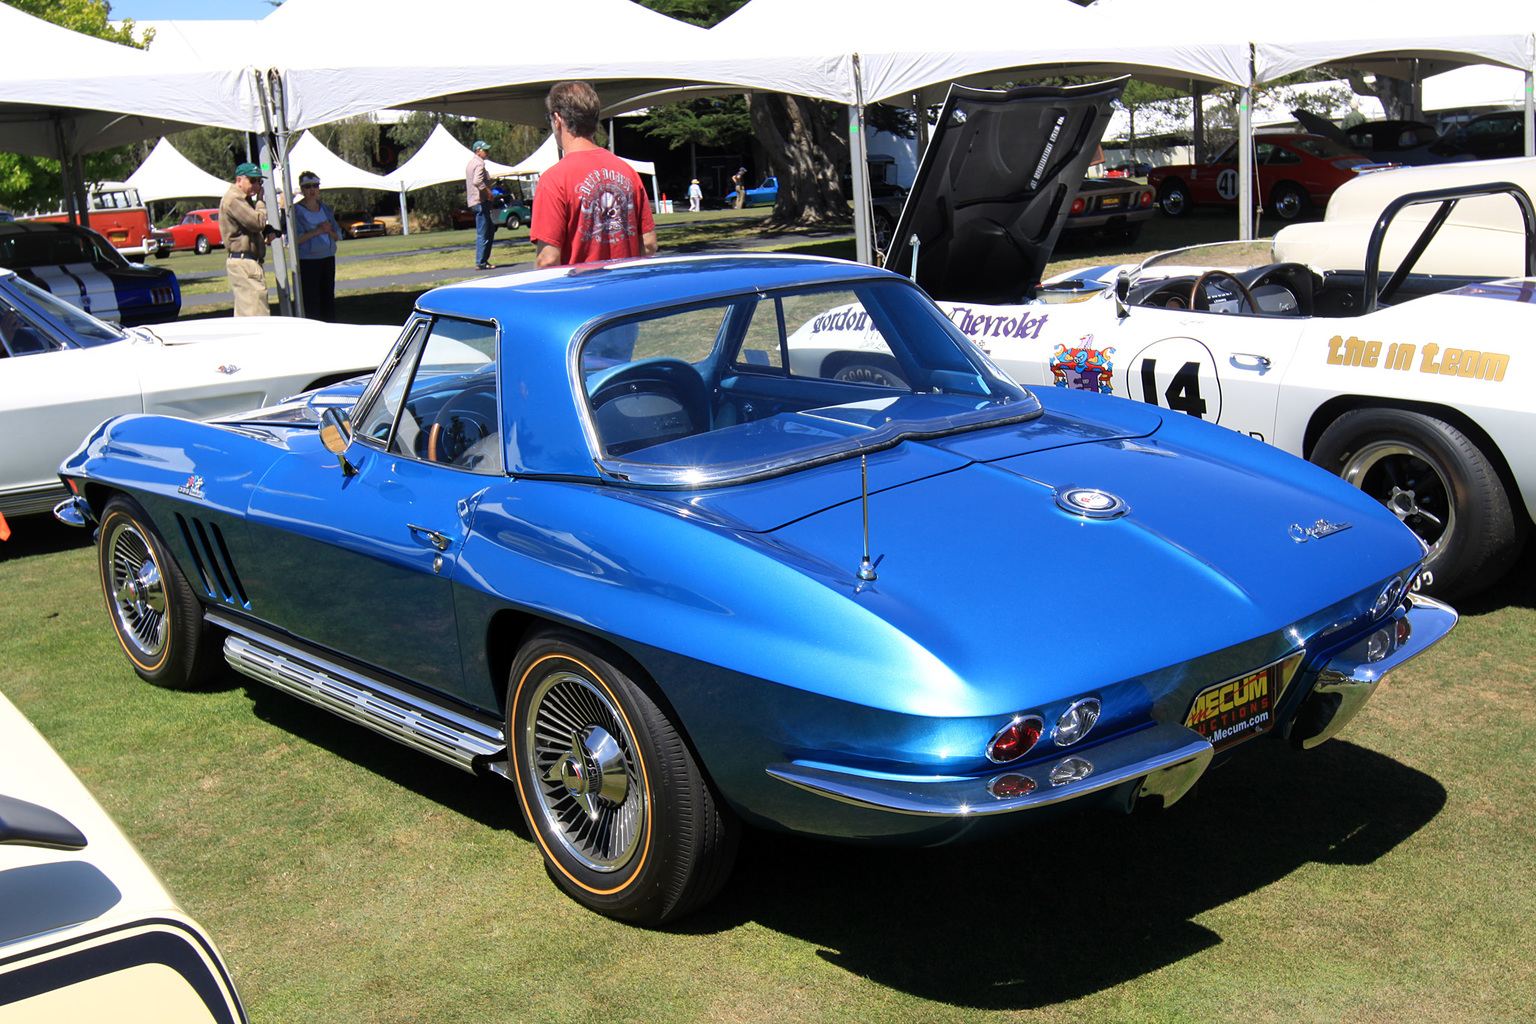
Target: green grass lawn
pixel 1383 878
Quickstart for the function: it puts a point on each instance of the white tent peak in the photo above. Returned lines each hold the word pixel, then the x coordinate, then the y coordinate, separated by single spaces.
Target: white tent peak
pixel 310 154
pixel 167 174
pixel 548 154
pixel 441 158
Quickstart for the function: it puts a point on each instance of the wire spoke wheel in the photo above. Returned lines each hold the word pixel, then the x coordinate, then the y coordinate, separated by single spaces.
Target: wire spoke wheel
pixel 155 614
pixel 135 588
pixel 628 823
pixel 582 753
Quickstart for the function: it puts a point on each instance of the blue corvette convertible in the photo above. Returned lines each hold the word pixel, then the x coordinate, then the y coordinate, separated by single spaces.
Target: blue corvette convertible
pixel 593 530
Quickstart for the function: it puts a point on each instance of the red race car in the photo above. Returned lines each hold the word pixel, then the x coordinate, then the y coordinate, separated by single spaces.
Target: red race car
pixel 1293 171
pixel 198 231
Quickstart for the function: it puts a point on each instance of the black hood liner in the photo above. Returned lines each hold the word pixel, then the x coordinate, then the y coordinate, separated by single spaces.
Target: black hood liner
pixel 995 184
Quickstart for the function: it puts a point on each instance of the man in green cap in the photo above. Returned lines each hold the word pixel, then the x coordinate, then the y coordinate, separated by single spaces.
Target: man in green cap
pixel 243 221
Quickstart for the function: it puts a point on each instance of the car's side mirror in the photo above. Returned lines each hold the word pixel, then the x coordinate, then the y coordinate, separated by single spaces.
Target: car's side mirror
pixel 335 433
pixel 1123 295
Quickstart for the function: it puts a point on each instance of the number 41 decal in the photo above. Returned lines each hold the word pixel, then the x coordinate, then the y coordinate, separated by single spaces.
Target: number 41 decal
pixel 1182 395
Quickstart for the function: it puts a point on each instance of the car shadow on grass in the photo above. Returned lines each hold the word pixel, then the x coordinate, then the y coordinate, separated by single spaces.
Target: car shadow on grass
pixel 1082 904
pixel 41 534
pixel 487 800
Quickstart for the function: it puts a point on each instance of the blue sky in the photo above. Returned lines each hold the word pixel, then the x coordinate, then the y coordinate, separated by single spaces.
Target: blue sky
pixel 191 10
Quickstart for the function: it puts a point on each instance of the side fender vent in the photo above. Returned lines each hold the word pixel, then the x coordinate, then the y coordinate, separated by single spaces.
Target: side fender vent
pixel 211 556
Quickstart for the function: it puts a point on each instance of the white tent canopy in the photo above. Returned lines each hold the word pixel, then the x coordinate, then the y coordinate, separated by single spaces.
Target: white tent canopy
pixel 548 153
pixel 166 174
pixel 66 93
pixel 310 154
pixel 625 50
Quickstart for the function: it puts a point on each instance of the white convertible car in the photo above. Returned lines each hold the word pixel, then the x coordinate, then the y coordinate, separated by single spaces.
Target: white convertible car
pixel 1419 388
pixel 62 372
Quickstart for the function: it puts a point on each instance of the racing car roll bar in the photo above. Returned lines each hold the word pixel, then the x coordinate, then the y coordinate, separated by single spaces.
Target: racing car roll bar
pixel 1447 198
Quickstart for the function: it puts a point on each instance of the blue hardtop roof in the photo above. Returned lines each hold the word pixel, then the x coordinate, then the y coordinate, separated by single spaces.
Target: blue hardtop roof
pixel 565 298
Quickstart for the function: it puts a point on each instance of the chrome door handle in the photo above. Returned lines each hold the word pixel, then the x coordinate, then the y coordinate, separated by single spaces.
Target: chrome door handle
pixel 440 541
pixel 1248 361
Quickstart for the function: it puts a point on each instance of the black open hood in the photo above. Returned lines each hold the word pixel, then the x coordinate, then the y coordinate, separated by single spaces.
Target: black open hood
pixel 995 184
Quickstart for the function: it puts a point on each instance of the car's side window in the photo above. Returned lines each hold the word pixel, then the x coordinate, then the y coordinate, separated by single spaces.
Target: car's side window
pixel 19 336
pixel 833 337
pixel 762 345
pixel 440 403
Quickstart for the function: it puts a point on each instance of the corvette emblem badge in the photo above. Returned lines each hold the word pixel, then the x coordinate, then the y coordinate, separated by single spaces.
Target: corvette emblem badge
pixel 1318 530
pixel 193 488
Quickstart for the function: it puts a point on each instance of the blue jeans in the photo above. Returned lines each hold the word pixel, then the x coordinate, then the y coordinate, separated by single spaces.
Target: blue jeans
pixel 485 228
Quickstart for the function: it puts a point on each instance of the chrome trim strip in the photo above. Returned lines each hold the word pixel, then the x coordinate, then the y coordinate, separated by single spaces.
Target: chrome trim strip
pixel 1169 756
pixel 1352 676
pixel 456 739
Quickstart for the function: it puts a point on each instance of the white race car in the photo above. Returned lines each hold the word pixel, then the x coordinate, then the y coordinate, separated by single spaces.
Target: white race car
pixel 87 930
pixel 62 372
pixel 1418 388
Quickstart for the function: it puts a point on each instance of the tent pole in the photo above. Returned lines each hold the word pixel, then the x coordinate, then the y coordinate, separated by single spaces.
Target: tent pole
pixel 1530 113
pixel 405 223
pixel 274 145
pixel 1245 170
pixel 859 171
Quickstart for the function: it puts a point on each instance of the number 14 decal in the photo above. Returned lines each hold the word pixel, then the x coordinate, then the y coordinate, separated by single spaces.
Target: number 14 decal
pixel 1181 395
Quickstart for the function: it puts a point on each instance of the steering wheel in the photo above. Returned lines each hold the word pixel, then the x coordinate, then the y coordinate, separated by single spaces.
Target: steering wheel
pixel 466 418
pixel 1197 290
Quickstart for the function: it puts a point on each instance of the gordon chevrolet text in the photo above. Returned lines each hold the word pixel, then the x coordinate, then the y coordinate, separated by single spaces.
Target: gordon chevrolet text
pixel 1448 362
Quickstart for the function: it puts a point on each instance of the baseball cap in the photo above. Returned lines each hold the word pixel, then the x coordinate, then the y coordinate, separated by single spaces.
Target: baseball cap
pixel 482 144
pixel 250 171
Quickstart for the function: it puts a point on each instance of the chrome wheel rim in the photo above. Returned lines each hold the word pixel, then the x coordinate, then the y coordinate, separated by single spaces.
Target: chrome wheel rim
pixel 1173 202
pixel 583 765
pixel 135 588
pixel 1405 478
pixel 1288 205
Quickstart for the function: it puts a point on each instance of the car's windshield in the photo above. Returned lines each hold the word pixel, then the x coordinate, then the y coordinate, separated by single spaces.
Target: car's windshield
pixel 81 326
pixel 1196 259
pixel 752 386
pixel 51 248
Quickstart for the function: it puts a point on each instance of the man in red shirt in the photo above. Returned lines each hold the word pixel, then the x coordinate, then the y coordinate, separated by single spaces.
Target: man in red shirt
pixel 591 205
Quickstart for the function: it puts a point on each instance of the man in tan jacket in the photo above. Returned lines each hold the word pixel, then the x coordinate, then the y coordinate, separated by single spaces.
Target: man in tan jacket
pixel 243 221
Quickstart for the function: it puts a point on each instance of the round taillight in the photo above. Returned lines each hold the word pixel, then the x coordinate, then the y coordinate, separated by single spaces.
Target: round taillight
pixel 1075 722
pixel 1015 739
pixel 1011 785
pixel 1078 206
pixel 1146 200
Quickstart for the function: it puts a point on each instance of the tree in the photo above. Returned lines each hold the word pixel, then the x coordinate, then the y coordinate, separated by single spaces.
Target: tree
pixel 30 182
pixel 720 121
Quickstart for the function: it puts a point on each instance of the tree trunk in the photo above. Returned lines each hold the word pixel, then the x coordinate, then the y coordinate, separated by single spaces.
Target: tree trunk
pixel 807 153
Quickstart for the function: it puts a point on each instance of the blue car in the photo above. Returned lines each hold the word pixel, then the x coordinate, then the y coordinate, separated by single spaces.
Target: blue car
pixel 600 530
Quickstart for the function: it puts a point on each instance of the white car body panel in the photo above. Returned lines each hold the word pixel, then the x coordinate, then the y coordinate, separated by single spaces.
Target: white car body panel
pixel 196 369
pixel 1482 238
pixel 92 933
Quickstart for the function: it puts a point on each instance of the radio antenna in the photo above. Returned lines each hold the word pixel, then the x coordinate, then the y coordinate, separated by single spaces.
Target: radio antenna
pixel 866 567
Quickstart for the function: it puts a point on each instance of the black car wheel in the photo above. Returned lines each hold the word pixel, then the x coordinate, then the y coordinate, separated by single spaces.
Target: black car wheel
pixel 865 368
pixel 628 824
pixel 885 227
pixel 1289 201
pixel 201 245
pixel 514 222
pixel 156 616
pixel 1438 482
pixel 1173 197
